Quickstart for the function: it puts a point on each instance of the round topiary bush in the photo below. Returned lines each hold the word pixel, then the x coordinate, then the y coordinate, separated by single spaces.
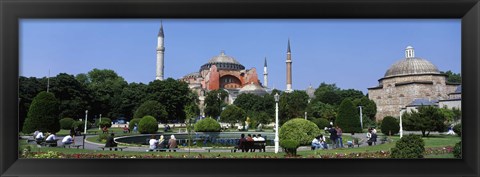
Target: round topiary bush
pixel 410 146
pixel 390 126
pixel 148 125
pixel 133 122
pixel 321 123
pixel 457 150
pixel 66 123
pixel 300 130
pixel 290 146
pixel 458 129
pixel 106 122
pixel 207 125
pixel 81 124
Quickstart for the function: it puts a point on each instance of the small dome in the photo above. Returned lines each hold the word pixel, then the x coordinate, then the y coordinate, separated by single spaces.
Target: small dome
pixel 253 89
pixel 411 65
pixel 222 58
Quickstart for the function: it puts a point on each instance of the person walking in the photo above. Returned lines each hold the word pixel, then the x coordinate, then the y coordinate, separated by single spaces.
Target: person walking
pixel 339 137
pixel 333 136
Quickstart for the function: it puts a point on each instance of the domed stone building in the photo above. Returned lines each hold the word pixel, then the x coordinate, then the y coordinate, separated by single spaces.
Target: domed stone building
pixel 409 79
pixel 224 72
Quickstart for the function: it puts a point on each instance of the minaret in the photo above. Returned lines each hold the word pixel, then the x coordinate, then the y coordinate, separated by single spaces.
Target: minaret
pixel 160 53
pixel 289 69
pixel 409 52
pixel 265 73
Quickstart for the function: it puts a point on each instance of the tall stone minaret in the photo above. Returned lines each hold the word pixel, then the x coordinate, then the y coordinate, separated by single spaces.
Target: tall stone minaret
pixel 289 69
pixel 160 53
pixel 265 74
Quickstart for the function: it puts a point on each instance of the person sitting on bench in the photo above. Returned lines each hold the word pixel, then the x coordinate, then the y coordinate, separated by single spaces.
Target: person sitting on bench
pixel 105 129
pixel 110 142
pixel 126 129
pixel 52 140
pixel 39 137
pixel 316 143
pixel 67 140
pixel 153 143
pixel 260 138
pixel 161 142
pixel 172 142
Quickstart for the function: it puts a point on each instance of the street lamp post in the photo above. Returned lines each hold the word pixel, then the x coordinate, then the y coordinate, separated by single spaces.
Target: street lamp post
pixel 276 123
pixel 99 121
pixel 401 125
pixel 86 120
pixel 361 117
pixel 306 109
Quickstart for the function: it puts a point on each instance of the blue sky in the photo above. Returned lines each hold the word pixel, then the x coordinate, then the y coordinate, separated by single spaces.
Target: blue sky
pixel 351 53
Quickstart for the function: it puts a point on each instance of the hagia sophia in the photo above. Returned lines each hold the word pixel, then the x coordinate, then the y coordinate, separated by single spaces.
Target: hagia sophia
pixel 407 84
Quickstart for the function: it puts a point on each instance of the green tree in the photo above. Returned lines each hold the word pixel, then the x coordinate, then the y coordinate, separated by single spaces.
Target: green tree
pixel 348 118
pixel 152 108
pixel 106 122
pixel 173 94
pixel 72 95
pixel 369 108
pixel 426 119
pixel 148 125
pixel 214 102
pixel 263 118
pixel 28 88
pixel 131 97
pixel 42 114
pixel 321 110
pixel 292 105
pixel 106 87
pixel 233 114
pixel 453 77
pixel 207 125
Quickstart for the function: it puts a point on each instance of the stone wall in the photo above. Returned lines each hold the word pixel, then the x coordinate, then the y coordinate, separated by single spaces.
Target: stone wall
pixel 397 92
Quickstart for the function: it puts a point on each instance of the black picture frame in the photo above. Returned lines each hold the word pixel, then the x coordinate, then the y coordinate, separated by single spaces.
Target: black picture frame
pixel 13 10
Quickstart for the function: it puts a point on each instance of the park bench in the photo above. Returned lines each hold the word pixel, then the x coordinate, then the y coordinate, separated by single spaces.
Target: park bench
pixel 252 146
pixel 48 144
pixel 164 150
pixel 71 146
pixel 112 148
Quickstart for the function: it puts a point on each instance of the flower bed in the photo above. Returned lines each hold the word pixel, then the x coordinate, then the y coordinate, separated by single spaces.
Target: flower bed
pixel 378 154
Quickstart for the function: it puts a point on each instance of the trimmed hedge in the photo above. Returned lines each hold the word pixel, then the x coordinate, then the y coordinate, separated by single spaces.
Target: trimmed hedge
pixel 457 150
pixel 66 123
pixel 290 146
pixel 458 129
pixel 207 125
pixel 300 130
pixel 132 123
pixel 410 146
pixel 148 125
pixel 390 126
pixel 105 122
pixel 81 124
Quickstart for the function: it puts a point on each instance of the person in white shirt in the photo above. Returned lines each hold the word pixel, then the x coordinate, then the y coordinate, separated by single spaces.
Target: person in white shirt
pixel 35 133
pixel 51 138
pixel 153 143
pixel 67 140
pixel 255 138
pixel 39 136
pixel 260 138
pixel 316 143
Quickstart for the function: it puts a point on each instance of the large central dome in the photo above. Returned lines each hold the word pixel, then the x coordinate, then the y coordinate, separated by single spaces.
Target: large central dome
pixel 411 65
pixel 223 61
pixel 222 58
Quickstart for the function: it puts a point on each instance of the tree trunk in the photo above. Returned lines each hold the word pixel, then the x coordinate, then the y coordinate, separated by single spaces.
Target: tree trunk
pixel 423 133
